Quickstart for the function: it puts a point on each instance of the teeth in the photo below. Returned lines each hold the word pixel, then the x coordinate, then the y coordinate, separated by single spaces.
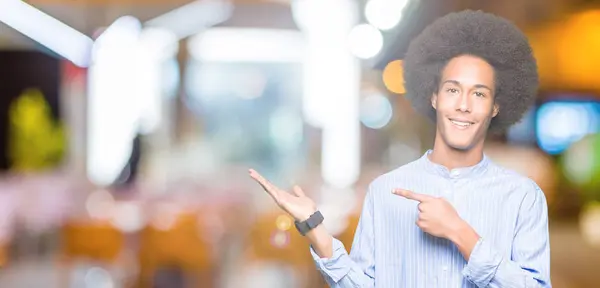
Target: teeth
pixel 464 124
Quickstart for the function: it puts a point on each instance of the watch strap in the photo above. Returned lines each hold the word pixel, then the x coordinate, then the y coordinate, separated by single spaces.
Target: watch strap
pixel 313 221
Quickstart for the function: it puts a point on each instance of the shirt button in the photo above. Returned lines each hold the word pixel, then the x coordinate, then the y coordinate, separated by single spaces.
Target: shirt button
pixel 454 173
pixel 444 268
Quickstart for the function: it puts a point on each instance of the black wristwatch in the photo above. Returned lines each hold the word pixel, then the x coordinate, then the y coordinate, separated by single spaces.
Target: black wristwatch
pixel 313 221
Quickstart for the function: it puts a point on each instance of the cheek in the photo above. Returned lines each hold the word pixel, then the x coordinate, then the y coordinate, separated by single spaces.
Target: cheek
pixel 445 106
pixel 483 110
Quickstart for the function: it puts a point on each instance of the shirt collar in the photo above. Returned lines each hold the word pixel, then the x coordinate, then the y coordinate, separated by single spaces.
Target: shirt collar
pixel 457 173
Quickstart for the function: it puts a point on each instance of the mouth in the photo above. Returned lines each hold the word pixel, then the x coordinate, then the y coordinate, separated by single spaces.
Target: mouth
pixel 461 124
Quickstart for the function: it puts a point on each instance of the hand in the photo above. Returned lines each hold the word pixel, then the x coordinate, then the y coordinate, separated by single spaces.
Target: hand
pixel 296 205
pixel 436 216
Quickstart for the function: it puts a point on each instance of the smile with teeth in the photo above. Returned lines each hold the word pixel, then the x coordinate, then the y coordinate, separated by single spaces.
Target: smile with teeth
pixel 460 123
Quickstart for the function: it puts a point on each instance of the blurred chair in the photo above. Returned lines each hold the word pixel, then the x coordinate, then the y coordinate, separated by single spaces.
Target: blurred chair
pixel 93 241
pixel 276 246
pixel 177 248
pixel 3 254
pixel 8 209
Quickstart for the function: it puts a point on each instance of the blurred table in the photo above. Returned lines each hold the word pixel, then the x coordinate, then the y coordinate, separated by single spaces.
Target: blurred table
pixel 574 264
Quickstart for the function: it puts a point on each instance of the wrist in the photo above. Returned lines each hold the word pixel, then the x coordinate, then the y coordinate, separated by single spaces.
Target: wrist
pixel 464 238
pixel 310 223
pixel 321 241
pixel 460 231
pixel 317 235
pixel 304 216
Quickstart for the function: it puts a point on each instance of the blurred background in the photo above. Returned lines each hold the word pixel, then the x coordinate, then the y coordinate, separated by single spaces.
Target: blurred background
pixel 127 127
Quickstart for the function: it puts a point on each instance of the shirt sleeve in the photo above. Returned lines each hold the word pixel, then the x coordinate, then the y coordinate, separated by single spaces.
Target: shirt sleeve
pixel 529 265
pixel 358 268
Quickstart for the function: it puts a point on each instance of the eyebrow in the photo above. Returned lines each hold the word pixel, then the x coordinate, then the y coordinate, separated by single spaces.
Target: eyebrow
pixel 476 85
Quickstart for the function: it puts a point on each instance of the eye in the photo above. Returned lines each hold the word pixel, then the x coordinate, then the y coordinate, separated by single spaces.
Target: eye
pixel 452 90
pixel 479 94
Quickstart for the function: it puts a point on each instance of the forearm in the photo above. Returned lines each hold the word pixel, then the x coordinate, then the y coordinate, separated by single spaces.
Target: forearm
pixel 487 267
pixel 321 241
pixel 465 238
pixel 341 270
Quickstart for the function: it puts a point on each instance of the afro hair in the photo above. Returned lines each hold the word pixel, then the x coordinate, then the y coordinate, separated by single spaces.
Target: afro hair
pixel 484 35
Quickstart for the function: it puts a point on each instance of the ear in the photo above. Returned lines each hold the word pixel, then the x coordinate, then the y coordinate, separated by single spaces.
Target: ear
pixel 434 101
pixel 496 110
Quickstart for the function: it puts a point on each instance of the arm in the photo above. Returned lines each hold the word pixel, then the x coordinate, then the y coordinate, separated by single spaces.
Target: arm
pixel 529 265
pixel 339 269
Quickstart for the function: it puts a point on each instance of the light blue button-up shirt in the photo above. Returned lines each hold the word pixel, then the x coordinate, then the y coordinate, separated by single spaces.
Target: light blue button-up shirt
pixel 507 210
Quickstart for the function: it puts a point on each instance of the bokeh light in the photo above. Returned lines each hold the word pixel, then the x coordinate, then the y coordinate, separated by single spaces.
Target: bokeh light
pixel 577 58
pixel 100 204
pixel 393 77
pixel 559 124
pixel 165 216
pixel 365 41
pixel 581 163
pixel 283 222
pixel 589 223
pixel 97 277
pixel 280 239
pixel 127 217
pixel 375 111
pixel 384 14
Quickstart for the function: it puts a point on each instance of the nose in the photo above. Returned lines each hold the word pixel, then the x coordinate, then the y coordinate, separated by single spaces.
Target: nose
pixel 464 103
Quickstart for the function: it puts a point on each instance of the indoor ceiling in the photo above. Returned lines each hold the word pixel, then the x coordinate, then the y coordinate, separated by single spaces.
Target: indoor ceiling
pixel 84 18
pixel 87 16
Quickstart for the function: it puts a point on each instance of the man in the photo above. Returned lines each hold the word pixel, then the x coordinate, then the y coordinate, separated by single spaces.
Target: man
pixel 451 218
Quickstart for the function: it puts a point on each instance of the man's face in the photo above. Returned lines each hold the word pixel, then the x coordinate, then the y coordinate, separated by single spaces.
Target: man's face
pixel 464 102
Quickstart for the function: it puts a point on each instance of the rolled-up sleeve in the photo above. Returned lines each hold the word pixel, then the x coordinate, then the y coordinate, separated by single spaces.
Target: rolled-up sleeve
pixel 529 265
pixel 357 269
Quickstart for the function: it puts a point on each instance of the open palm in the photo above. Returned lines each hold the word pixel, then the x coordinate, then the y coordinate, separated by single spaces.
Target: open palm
pixel 296 203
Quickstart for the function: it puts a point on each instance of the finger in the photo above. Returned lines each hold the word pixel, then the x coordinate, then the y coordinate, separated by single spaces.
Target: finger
pixel 420 207
pixel 266 185
pixel 412 195
pixel 298 191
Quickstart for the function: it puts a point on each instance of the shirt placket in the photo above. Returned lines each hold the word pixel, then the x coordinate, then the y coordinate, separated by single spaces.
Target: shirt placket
pixel 451 194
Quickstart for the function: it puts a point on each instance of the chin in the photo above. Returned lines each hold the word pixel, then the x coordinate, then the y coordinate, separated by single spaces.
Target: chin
pixel 460 144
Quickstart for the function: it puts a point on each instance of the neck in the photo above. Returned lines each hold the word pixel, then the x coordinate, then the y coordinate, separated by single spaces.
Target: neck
pixel 453 158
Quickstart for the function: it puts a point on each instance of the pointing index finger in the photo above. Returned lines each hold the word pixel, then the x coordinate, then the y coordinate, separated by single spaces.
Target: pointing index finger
pixel 266 185
pixel 412 195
